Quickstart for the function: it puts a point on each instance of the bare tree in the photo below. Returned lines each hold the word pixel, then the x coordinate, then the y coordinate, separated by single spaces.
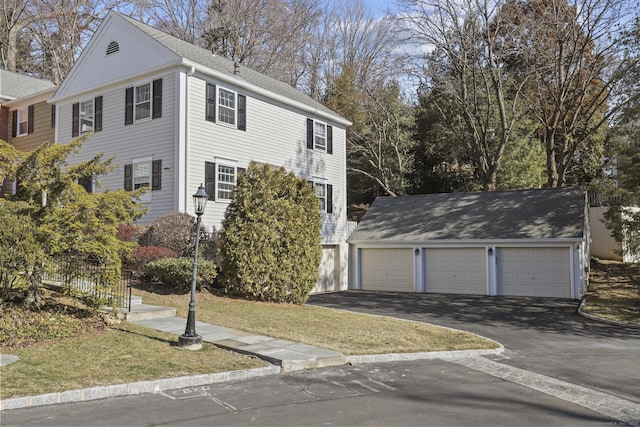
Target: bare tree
pixel 574 56
pixel 265 35
pixel 55 31
pixel 184 19
pixel 13 18
pixel 461 39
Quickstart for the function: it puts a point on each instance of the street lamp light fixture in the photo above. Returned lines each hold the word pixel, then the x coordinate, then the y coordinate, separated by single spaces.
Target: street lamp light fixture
pixel 190 340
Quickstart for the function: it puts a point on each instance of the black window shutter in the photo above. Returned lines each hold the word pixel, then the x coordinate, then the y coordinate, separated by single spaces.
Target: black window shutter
pixel 53 116
pixel 329 198
pixel 128 177
pixel 156 175
pixel 97 124
pixel 31 112
pixel 210 179
pixel 329 139
pixel 157 98
pixel 14 123
pixel 75 121
pixel 242 112
pixel 128 106
pixel 310 134
pixel 87 183
pixel 211 102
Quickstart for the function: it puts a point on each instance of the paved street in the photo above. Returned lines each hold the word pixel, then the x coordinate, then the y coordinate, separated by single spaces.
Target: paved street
pixel 558 369
pixel 426 393
pixel 542 335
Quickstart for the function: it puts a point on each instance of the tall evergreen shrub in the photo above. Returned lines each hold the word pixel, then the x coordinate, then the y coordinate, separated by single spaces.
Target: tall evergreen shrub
pixel 270 243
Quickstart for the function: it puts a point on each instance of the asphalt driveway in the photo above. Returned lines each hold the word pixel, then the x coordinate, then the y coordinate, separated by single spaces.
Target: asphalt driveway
pixel 542 335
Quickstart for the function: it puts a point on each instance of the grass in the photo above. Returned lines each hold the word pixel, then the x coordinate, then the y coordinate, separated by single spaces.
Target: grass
pixel 121 354
pixel 74 350
pixel 614 291
pixel 346 332
pixel 62 347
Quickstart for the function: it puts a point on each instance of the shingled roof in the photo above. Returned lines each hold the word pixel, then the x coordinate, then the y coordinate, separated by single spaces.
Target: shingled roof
pixel 206 58
pixel 14 85
pixel 553 213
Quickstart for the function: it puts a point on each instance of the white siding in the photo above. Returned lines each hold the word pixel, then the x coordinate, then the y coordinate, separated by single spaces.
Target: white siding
pixel 153 138
pixel 275 134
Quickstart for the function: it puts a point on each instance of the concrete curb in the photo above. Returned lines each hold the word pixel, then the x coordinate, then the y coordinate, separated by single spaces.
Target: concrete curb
pixel 129 389
pixel 582 313
pixel 402 357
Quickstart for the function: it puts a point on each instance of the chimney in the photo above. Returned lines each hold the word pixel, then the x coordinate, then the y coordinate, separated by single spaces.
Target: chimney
pixel 236 68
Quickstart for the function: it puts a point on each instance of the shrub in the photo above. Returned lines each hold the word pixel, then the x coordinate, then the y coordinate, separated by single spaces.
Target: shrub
pixel 270 241
pixel 175 231
pixel 176 273
pixel 142 255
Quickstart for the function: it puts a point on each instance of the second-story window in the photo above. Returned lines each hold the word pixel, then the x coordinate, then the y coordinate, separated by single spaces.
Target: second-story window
pixel 226 107
pixel 23 122
pixel 319 136
pixel 86 116
pixel 143 101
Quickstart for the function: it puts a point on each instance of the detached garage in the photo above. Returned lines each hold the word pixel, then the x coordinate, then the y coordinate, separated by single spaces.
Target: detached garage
pixel 519 243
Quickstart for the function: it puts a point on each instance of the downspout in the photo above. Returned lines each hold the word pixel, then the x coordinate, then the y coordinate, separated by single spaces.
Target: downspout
pixel 186 138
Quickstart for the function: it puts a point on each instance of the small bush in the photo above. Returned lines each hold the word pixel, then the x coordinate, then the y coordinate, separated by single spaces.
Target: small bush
pixel 175 231
pixel 176 273
pixel 142 255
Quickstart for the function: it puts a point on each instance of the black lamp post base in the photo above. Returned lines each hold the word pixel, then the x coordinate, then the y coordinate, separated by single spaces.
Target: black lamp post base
pixel 190 343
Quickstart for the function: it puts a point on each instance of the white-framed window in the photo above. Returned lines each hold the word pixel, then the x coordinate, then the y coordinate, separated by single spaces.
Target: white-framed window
pixel 221 178
pixel 324 193
pixel 142 102
pixel 22 121
pixel 226 107
pixel 226 174
pixel 320 136
pixel 87 112
pixel 138 175
pixel 321 194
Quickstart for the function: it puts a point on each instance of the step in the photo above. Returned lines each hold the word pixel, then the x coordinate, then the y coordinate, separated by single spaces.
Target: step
pixel 147 312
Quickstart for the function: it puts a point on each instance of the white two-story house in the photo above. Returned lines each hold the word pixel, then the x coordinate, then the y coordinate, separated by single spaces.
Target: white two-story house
pixel 176 115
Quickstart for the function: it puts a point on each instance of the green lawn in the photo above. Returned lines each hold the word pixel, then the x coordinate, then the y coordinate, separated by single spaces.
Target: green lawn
pixel 58 354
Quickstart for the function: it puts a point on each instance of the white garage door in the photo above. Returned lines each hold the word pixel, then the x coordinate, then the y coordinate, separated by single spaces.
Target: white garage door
pixel 387 270
pixel 540 272
pixel 455 270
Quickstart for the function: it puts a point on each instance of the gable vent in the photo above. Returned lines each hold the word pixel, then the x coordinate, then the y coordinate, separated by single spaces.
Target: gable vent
pixel 113 48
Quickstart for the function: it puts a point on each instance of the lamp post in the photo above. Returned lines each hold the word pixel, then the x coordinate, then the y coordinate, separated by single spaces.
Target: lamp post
pixel 190 340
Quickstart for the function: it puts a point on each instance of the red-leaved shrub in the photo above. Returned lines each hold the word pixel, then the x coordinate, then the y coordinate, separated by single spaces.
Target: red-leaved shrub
pixel 142 255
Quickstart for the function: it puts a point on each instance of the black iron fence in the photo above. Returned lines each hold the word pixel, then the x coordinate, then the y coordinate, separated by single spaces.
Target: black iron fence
pixel 90 277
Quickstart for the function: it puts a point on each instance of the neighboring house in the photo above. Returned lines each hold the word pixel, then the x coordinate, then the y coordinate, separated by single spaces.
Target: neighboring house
pixel 26 119
pixel 522 243
pixel 176 115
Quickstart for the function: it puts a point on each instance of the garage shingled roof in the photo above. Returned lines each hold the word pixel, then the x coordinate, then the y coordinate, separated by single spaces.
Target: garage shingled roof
pixel 550 213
